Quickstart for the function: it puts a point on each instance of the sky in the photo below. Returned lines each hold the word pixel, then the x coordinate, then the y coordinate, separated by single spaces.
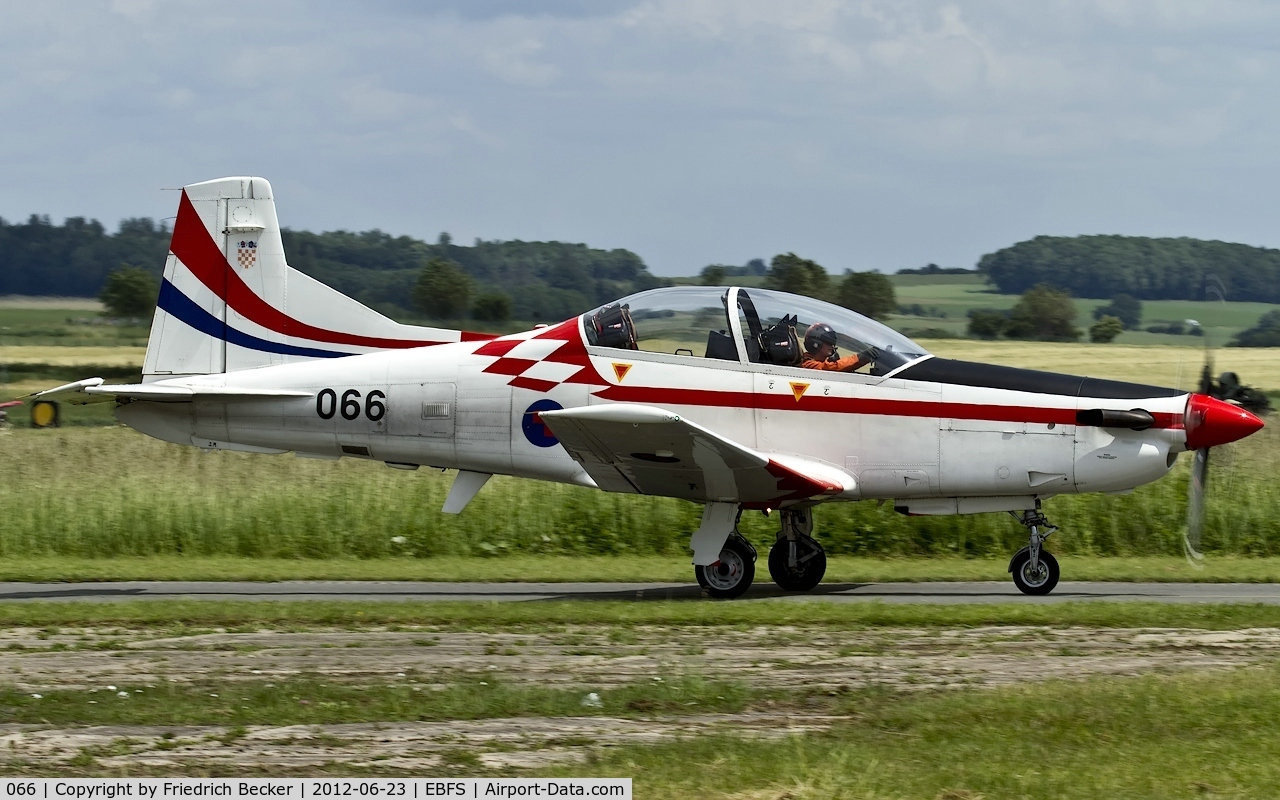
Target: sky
pixel 863 135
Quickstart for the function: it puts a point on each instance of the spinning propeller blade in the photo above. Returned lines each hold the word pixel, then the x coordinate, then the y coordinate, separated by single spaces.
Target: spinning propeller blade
pixel 1191 535
pixel 1195 508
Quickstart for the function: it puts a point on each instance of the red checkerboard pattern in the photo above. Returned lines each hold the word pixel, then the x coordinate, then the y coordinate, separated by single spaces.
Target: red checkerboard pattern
pixel 246 257
pixel 543 361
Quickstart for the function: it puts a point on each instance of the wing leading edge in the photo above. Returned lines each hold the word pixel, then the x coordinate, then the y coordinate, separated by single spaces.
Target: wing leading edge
pixel 640 449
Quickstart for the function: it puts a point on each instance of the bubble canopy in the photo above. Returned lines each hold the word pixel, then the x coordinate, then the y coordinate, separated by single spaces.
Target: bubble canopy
pixel 727 322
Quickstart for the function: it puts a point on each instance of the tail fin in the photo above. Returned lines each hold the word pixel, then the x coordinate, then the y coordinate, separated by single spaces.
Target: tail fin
pixel 229 301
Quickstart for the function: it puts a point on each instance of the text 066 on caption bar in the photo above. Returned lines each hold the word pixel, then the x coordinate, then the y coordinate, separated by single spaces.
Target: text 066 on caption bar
pixel 306 788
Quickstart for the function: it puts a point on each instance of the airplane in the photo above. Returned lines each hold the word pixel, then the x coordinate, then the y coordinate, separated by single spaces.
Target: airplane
pixel 693 392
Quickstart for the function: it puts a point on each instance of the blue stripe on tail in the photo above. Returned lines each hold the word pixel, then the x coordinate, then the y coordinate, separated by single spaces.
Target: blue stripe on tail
pixel 173 301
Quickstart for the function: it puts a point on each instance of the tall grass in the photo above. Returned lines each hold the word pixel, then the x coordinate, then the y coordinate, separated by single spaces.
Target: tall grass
pixel 112 492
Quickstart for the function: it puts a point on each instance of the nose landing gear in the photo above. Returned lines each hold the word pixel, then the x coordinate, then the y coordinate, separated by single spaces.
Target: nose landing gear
pixel 1035 570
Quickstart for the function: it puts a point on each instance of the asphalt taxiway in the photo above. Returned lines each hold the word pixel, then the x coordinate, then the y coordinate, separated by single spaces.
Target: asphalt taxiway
pixel 933 592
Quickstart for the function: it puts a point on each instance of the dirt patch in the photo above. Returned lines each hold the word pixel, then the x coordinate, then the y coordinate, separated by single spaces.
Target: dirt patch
pixel 581 657
pixel 523 742
pixel 608 657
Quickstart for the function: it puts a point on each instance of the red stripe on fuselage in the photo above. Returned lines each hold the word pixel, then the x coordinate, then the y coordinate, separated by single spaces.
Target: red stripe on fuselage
pixel 856 405
pixel 196 249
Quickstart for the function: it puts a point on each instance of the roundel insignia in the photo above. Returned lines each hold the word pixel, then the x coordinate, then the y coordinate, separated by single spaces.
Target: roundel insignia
pixel 535 430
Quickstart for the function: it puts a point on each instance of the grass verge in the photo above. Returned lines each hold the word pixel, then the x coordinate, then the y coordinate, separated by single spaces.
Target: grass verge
pixel 623 569
pixel 556 614
pixel 1193 736
pixel 111 492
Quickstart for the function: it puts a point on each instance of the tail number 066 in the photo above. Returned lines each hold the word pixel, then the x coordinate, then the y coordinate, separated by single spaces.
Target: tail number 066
pixel 328 404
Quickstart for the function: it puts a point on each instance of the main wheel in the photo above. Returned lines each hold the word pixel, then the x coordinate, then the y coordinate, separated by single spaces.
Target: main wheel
pixel 732 574
pixel 810 567
pixel 1035 581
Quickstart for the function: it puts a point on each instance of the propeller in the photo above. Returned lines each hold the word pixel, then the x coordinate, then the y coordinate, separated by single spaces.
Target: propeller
pixel 1209 421
pixel 1192 534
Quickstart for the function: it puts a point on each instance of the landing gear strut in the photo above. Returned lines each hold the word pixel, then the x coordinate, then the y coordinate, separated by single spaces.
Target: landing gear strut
pixel 1035 570
pixel 796 561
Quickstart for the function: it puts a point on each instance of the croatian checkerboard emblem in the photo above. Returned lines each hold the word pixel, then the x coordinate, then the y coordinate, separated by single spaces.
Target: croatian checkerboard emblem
pixel 247 253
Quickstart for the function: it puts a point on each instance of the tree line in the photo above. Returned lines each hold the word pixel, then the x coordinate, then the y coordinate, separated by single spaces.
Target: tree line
pixel 869 293
pixel 490 280
pixel 494 280
pixel 543 281
pixel 1141 267
pixel 73 259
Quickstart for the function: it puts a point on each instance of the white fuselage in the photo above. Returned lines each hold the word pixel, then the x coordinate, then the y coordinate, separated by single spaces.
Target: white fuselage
pixel 932 448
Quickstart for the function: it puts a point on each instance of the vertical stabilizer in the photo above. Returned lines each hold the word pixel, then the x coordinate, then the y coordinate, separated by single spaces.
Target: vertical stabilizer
pixel 229 301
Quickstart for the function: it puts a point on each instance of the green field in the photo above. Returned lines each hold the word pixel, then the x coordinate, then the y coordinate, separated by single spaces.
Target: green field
pixel 1158 737
pixel 74 327
pixel 110 492
pixel 614 568
pixel 956 295
pixel 947 300
pixel 1156 365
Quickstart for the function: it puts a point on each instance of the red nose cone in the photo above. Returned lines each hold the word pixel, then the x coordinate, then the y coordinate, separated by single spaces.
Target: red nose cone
pixel 1212 422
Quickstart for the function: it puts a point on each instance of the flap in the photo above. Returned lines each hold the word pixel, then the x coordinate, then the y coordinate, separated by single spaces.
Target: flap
pixel 641 449
pixel 93 390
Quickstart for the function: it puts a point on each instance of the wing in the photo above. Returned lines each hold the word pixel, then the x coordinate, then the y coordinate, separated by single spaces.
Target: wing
pixel 647 450
pixel 93 390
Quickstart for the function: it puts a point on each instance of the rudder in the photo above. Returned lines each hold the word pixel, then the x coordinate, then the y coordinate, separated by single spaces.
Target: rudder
pixel 229 301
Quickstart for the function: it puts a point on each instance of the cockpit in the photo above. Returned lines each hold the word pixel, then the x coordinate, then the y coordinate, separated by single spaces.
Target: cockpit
pixel 739 324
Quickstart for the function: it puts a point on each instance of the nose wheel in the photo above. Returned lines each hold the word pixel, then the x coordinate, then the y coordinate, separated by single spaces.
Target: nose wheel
pixel 1039 578
pixel 1034 569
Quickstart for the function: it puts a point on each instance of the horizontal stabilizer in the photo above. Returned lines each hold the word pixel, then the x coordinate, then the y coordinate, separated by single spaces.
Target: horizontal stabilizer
pixel 93 390
pixel 73 393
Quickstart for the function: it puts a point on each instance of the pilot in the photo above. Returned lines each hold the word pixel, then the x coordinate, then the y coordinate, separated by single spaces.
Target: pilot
pixel 820 351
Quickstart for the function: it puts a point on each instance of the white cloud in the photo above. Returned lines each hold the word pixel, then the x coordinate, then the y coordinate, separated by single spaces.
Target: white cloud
pixel 867 133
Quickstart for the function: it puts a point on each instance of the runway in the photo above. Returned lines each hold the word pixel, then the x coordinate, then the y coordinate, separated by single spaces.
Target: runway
pixel 947 593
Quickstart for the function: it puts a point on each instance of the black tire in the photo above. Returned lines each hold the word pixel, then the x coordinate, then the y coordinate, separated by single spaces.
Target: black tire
pixel 809 572
pixel 1041 582
pixel 733 574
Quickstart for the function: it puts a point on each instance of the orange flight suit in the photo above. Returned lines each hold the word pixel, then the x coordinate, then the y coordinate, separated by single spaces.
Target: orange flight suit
pixel 846 364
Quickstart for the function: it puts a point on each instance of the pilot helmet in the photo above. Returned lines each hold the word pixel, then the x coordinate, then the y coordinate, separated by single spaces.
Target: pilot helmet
pixel 819 332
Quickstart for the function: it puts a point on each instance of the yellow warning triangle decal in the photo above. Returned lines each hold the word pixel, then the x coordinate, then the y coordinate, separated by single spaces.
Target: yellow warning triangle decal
pixel 621 370
pixel 798 390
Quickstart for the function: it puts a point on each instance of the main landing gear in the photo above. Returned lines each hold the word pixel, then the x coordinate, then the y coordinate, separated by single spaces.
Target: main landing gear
pixel 796 561
pixel 1035 570
pixel 733 573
